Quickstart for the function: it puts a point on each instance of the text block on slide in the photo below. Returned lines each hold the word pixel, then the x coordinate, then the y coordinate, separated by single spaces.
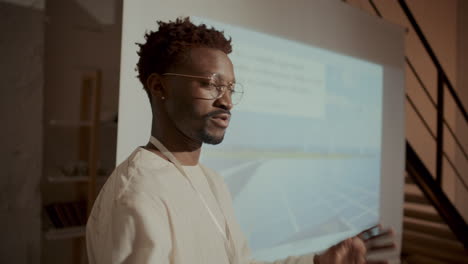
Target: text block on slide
pixel 278 77
pixel 273 80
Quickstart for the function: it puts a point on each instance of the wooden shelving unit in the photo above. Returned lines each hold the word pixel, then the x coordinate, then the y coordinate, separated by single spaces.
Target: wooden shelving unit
pixel 84 184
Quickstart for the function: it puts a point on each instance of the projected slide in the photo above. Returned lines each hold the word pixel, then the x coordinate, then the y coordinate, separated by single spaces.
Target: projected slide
pixel 302 154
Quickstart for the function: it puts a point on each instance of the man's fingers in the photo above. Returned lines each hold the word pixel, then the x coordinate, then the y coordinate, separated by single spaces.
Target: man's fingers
pixel 365 232
pixel 374 248
pixel 358 245
pixel 384 233
pixel 357 250
pixel 361 260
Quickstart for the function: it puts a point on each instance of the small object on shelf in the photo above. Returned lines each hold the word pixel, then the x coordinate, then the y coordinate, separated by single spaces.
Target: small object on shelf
pixel 76 168
pixel 68 214
pixel 73 216
pixel 77 171
pixel 80 208
pixel 50 210
pixel 63 217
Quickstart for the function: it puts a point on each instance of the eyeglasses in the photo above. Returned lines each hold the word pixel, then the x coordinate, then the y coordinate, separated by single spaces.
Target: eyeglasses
pixel 213 89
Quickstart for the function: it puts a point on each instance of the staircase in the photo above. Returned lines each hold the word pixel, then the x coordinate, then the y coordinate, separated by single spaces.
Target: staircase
pixel 427 239
pixel 434 232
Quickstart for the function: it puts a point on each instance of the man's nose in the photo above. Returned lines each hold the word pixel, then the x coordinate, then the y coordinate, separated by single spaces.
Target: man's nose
pixel 225 101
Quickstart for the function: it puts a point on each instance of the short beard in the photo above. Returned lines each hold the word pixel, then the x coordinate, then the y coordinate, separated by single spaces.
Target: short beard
pixel 207 137
pixel 210 139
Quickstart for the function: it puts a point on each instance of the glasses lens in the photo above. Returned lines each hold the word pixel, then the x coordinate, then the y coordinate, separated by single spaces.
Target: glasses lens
pixel 236 95
pixel 215 91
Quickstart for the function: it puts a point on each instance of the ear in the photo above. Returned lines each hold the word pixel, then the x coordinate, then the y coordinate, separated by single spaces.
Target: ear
pixel 155 86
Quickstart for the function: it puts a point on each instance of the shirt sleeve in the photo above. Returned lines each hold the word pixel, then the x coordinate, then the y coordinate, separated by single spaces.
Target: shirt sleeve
pixel 140 231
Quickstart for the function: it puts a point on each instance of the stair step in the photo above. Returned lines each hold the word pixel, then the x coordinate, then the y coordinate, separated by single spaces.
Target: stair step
pixel 409 180
pixel 430 241
pixel 416 198
pixel 448 256
pixel 412 189
pixel 424 215
pixel 434 229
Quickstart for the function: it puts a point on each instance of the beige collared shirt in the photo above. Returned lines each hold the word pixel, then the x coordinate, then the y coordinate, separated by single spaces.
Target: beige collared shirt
pixel 147 212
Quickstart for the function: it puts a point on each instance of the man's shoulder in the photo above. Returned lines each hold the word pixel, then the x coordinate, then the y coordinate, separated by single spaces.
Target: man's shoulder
pixel 141 172
pixel 136 185
pixel 143 160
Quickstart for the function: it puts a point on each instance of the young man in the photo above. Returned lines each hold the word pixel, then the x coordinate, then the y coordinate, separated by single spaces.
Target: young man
pixel 162 206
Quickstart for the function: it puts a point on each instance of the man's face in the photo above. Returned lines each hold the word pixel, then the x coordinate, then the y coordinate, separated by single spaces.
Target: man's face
pixel 200 119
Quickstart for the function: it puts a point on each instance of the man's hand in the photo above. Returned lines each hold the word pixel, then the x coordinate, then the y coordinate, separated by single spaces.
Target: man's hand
pixel 354 250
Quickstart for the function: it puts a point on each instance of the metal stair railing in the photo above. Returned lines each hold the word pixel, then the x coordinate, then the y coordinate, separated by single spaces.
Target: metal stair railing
pixel 433 192
pixel 442 81
pixel 432 188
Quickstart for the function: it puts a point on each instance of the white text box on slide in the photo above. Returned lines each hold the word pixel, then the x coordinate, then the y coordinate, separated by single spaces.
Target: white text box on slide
pixel 279 83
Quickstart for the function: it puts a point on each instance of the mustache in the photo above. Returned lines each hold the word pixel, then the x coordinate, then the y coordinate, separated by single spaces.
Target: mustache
pixel 217 112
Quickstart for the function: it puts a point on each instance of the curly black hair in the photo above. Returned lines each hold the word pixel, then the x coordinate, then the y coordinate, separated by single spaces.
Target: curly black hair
pixel 166 47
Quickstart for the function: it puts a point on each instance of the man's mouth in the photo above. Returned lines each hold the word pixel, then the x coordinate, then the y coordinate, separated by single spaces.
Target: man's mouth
pixel 221 120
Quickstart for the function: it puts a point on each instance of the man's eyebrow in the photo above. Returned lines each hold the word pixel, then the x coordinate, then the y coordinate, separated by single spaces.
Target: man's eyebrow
pixel 217 76
pixel 222 78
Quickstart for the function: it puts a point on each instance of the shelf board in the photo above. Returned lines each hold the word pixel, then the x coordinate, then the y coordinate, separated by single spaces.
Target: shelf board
pixel 76 123
pixel 69 123
pixel 65 233
pixel 72 179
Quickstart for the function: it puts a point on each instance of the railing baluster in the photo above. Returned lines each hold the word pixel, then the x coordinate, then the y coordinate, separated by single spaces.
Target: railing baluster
pixel 433 57
pixel 440 127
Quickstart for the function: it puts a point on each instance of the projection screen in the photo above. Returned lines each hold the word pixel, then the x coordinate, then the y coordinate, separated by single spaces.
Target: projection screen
pixel 315 150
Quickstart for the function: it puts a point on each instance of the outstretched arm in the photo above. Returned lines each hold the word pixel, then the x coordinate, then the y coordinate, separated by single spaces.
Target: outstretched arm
pixel 355 249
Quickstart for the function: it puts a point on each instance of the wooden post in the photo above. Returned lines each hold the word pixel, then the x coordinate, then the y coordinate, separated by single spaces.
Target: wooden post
pixel 88 148
pixel 94 140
